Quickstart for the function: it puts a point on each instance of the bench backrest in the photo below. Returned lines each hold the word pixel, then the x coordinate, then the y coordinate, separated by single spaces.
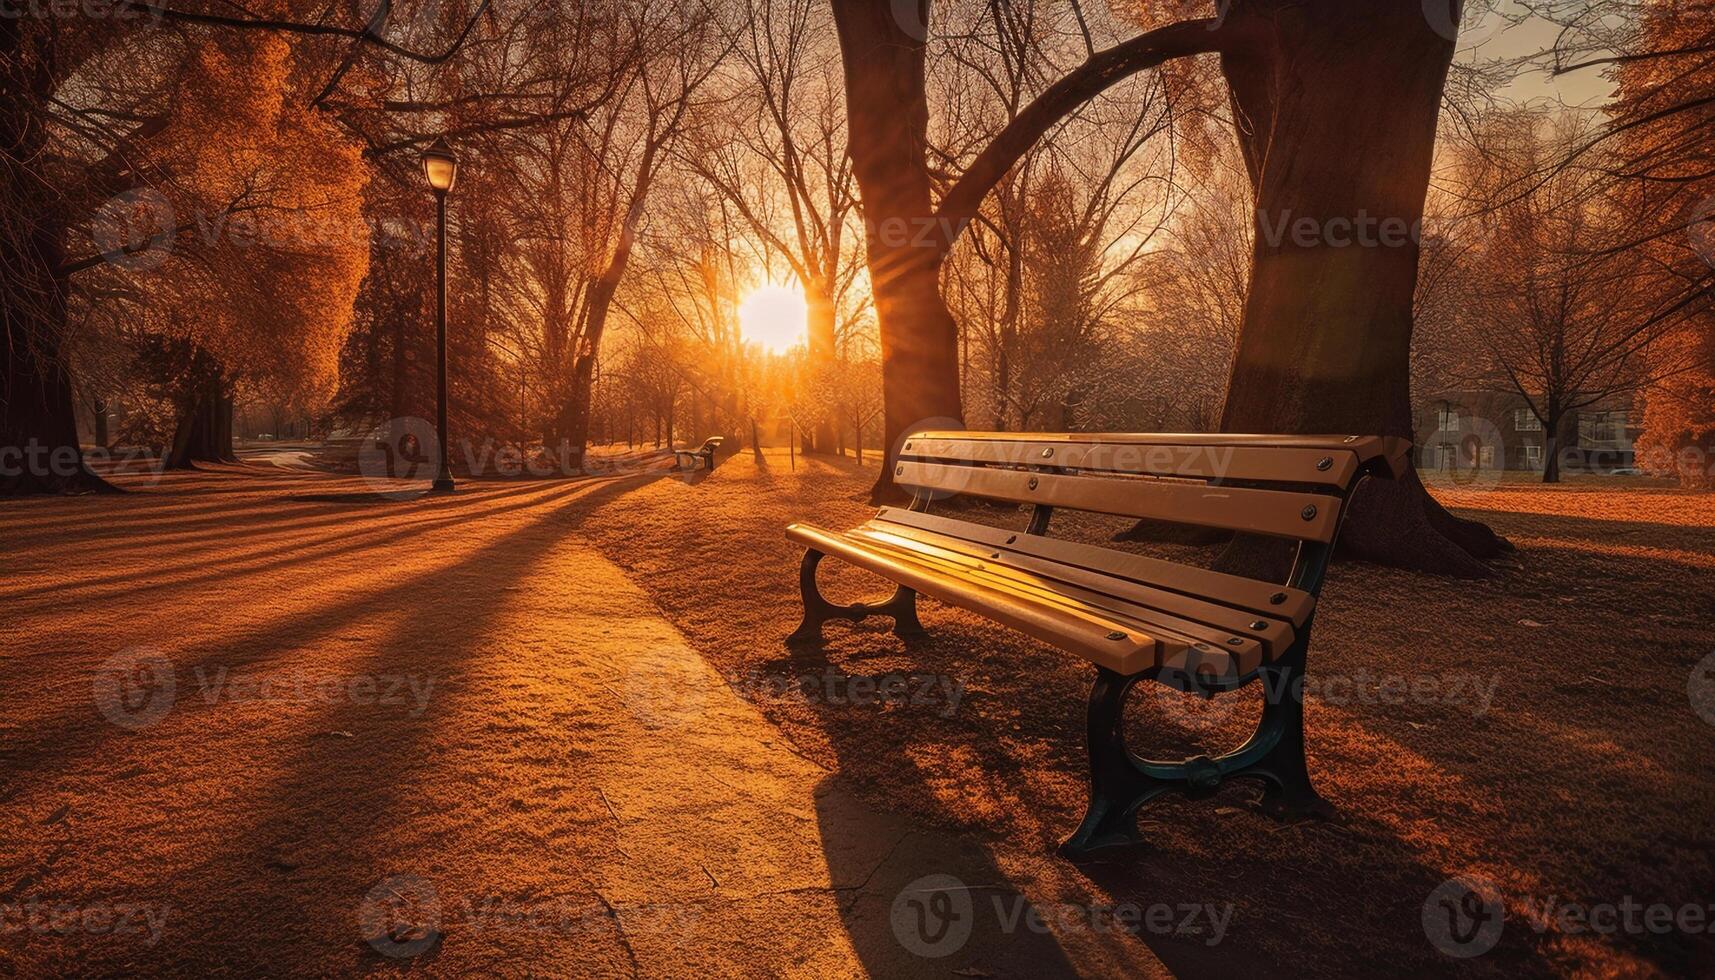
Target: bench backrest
pixel 1284 486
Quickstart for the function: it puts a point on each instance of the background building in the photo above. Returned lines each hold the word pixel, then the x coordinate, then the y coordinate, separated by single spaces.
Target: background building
pixel 1490 429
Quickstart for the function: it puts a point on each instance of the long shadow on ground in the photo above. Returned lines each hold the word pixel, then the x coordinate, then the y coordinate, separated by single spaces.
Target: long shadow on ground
pixel 1426 791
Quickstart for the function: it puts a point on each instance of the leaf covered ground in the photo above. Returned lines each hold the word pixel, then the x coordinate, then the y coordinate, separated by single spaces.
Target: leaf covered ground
pixel 566 707
pixel 1538 730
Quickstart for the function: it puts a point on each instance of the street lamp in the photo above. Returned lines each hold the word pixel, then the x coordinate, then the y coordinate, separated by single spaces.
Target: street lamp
pixel 441 168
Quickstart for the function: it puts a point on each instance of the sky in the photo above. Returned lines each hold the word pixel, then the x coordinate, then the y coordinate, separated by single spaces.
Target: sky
pixel 1495 38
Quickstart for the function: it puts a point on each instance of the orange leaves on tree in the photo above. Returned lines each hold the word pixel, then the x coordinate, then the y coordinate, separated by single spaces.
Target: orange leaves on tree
pixel 265 277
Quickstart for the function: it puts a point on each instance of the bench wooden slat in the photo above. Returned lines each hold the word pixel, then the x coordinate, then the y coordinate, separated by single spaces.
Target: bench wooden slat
pixel 1390 452
pixel 1275 634
pixel 1243 593
pixel 1304 516
pixel 1137 618
pixel 1180 638
pixel 1282 464
pixel 1085 632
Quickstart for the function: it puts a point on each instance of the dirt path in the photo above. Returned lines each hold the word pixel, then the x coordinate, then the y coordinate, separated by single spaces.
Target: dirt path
pixel 250 726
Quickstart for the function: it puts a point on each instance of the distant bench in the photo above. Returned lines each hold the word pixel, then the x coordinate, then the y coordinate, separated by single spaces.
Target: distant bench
pixel 702 457
pixel 1135 618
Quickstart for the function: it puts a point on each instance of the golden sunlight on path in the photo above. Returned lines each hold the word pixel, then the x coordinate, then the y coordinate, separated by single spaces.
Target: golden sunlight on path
pixel 253 723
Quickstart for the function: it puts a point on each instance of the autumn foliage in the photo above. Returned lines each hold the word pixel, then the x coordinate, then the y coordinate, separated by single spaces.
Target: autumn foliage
pixel 1666 116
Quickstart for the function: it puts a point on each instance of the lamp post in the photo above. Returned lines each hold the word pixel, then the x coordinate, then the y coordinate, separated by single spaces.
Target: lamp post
pixel 441 167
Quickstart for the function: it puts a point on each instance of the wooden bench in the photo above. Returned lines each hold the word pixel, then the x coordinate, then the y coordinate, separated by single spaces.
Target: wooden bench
pixel 1133 617
pixel 702 457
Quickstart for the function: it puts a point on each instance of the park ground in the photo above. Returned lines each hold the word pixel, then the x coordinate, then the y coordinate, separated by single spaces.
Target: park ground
pixel 549 728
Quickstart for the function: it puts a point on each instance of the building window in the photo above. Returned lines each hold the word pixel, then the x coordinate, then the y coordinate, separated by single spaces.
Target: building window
pixel 1525 420
pixel 1486 457
pixel 1607 426
pixel 1447 420
pixel 1533 457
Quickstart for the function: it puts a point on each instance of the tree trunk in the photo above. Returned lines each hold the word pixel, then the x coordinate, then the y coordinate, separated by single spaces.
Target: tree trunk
pixel 204 430
pixel 1338 103
pixel 573 419
pixel 574 415
pixel 396 391
pixel 1006 332
pixel 1551 457
pixel 819 299
pixel 887 120
pixel 39 449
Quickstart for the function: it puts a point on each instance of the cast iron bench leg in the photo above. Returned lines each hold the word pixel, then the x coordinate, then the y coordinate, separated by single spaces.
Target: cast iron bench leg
pixel 902 606
pixel 1287 792
pixel 1117 787
pixel 1120 783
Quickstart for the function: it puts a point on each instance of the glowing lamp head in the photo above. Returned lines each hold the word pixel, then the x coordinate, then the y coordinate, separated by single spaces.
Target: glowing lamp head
pixel 440 166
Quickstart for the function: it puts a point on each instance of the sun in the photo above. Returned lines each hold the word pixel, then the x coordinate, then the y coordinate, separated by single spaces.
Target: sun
pixel 774 317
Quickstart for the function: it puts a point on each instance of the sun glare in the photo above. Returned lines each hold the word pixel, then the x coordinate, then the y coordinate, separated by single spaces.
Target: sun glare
pixel 773 316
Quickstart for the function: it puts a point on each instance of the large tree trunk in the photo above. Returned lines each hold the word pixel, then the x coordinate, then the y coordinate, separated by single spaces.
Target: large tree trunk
pixel 887 119
pixel 39 450
pixel 204 430
pixel 573 419
pixel 1337 104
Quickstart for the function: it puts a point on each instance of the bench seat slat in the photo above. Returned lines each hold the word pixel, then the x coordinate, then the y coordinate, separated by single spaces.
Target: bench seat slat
pixel 1242 593
pixel 1084 632
pixel 1275 634
pixel 1392 452
pixel 1181 639
pixel 1304 516
pixel 1281 464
